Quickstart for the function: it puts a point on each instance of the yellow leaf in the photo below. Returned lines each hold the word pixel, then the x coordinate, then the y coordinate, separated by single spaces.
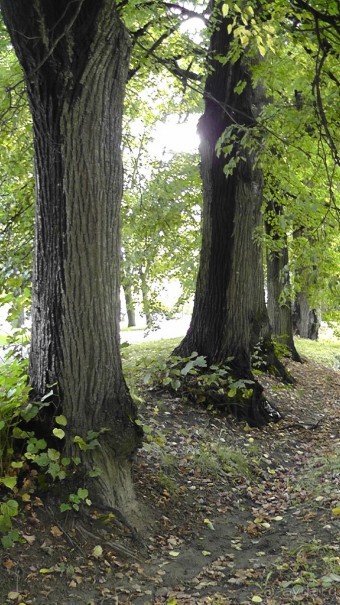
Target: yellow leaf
pixel 336 511
pixel 97 551
pixel 225 10
pixel 206 553
pixel 266 525
pixel 13 596
pixel 209 524
pixel 278 518
pixel 174 553
pixel 256 599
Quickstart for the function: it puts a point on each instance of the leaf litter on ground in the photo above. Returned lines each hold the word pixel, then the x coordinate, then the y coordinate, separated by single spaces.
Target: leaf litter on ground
pixel 236 515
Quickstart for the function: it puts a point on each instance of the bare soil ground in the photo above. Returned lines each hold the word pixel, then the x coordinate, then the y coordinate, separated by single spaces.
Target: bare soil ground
pixel 233 515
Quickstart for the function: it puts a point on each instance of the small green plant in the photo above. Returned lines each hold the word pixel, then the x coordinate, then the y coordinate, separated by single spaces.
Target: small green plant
pixel 217 459
pixel 8 509
pixel 76 500
pixel 152 435
pixel 213 386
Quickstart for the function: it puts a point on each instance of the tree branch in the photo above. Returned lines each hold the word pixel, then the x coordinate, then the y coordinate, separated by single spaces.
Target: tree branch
pixel 333 20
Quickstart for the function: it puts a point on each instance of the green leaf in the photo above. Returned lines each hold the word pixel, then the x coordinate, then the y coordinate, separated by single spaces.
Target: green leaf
pixel 19 464
pixel 225 10
pixel 59 433
pixel 9 482
pixel 9 508
pixel 82 493
pixel 64 507
pixel 53 454
pixel 62 420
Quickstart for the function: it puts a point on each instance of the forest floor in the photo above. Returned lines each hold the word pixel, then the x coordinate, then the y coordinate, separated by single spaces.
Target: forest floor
pixel 234 515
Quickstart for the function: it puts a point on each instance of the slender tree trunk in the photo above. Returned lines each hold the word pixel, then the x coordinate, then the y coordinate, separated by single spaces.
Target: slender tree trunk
pixel 228 312
pixel 145 299
pixel 306 319
pixel 130 308
pixel 280 313
pixel 75 59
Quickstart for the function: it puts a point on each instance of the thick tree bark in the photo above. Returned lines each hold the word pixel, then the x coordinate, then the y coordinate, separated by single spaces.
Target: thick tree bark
pixel 75 59
pixel 280 313
pixel 229 309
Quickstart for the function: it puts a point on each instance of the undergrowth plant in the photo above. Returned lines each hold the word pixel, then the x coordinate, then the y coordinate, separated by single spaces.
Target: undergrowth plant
pixel 27 460
pixel 213 386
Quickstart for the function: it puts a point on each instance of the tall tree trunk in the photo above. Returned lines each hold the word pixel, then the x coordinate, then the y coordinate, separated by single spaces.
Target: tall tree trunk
pixel 280 313
pixel 227 312
pixel 75 59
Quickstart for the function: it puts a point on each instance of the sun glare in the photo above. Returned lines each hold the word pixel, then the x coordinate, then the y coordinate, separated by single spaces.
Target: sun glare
pixel 173 136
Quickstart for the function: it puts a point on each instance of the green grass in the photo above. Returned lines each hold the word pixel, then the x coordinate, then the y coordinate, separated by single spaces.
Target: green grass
pixel 138 358
pixel 326 352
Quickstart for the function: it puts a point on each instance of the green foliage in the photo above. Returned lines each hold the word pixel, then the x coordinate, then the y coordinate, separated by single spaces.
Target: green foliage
pixel 213 386
pixel 21 449
pixel 76 500
pixel 13 402
pixel 161 230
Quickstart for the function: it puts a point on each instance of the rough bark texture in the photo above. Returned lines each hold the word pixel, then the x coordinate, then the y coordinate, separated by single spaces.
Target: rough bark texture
pixel 75 59
pixel 229 309
pixel 306 320
pixel 280 314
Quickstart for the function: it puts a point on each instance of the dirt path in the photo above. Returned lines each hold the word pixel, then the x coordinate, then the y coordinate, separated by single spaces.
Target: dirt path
pixel 235 515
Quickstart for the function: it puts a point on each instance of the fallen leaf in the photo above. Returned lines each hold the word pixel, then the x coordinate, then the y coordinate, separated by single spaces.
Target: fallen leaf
pixel 29 539
pixel 13 596
pixel 56 531
pixel 209 524
pixel 8 563
pixel 174 553
pixel 97 551
pixel 256 599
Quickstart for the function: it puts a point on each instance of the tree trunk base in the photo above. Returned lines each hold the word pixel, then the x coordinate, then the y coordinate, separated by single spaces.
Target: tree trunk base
pixel 271 364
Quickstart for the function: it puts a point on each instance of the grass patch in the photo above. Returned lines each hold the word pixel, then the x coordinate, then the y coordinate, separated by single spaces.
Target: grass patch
pixel 140 357
pixel 326 352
